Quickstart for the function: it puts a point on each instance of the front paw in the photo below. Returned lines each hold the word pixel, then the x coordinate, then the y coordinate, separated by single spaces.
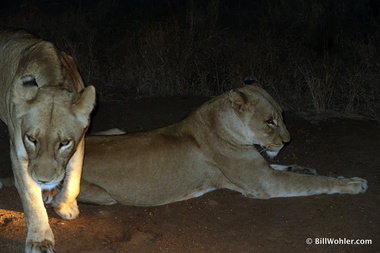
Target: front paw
pixel 357 185
pixel 67 211
pixel 45 246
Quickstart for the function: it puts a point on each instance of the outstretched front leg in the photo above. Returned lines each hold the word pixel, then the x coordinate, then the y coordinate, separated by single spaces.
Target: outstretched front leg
pixel 288 184
pixel 264 181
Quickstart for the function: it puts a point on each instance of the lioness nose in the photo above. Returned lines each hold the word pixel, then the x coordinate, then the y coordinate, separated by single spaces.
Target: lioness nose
pixel 286 139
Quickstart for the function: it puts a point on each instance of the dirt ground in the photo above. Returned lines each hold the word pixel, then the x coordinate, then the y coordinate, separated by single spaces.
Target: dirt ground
pixel 223 221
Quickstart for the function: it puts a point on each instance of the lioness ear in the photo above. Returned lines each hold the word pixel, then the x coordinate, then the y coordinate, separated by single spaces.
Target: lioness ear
pixel 27 90
pixel 238 100
pixel 252 81
pixel 83 105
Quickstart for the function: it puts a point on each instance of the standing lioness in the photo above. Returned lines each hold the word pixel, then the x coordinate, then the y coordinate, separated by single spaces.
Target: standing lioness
pixel 210 149
pixel 46 108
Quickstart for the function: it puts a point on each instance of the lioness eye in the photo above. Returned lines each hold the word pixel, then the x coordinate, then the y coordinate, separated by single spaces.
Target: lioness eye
pixel 31 140
pixel 64 143
pixel 271 122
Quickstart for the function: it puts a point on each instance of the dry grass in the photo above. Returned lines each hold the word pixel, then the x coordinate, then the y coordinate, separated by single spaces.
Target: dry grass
pixel 318 56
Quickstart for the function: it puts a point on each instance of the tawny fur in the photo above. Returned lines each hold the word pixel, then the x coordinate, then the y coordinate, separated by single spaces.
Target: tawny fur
pixel 210 149
pixel 46 108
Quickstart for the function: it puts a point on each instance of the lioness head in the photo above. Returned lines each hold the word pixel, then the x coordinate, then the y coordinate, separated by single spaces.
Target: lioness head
pixel 53 121
pixel 261 117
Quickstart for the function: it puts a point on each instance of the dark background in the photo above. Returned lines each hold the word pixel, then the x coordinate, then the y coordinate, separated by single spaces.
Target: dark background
pixel 313 56
pixel 152 62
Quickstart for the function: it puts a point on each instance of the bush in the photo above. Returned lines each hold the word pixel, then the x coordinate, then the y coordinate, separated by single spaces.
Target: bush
pixel 317 56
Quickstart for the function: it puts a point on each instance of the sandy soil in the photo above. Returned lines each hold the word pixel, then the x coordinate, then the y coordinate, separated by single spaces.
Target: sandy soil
pixel 222 221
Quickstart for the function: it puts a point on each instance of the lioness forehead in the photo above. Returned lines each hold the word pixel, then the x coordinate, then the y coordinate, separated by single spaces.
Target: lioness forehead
pixel 54 93
pixel 52 106
pixel 263 96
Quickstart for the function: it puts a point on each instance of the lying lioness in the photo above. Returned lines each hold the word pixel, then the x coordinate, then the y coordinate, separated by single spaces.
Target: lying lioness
pixel 210 149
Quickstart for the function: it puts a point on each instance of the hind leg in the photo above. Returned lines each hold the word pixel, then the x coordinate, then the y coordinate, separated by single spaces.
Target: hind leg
pixel 94 194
